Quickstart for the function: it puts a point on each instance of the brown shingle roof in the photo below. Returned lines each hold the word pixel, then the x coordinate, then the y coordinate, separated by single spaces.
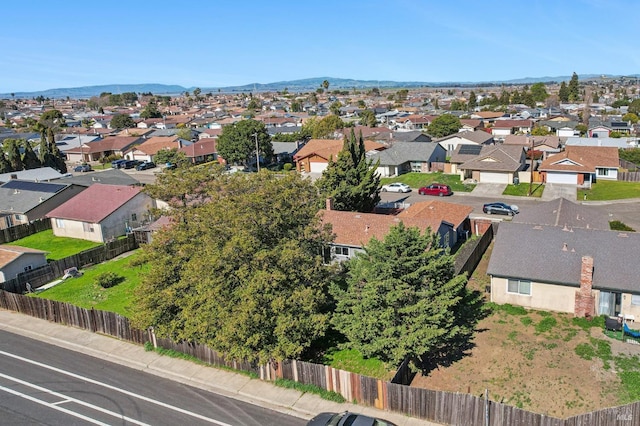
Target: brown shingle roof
pixel 585 158
pixel 152 145
pixel 9 253
pixel 95 203
pixel 436 210
pixel 329 148
pixel 356 229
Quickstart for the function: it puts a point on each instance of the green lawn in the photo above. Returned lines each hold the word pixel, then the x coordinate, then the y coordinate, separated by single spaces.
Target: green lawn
pixel 84 292
pixel 57 247
pixel 417 180
pixel 610 190
pixel 522 190
pixel 352 360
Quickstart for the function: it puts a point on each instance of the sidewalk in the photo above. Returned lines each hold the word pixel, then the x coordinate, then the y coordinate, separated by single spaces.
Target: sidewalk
pixel 222 382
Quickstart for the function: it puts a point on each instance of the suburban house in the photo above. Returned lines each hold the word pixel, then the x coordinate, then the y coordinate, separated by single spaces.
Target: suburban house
pixel 149 148
pixel 314 156
pixel 503 128
pixel 487 117
pixel 620 143
pixel 489 163
pixel 101 213
pixel 581 165
pixel 470 125
pixel 546 144
pixel 15 260
pixel 564 213
pixel 24 201
pixel 404 157
pixel 561 268
pixel 35 175
pixel 106 177
pixel 477 137
pixel 353 230
pixel 111 145
pixel 562 128
pixel 203 150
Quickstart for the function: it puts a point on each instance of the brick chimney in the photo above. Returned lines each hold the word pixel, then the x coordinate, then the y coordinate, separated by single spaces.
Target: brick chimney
pixel 585 300
pixel 329 203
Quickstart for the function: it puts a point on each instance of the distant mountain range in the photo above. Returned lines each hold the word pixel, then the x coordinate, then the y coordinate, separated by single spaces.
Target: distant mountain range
pixel 303 85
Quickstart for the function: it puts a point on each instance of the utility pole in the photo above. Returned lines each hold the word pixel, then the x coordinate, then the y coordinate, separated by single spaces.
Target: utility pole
pixel 531 167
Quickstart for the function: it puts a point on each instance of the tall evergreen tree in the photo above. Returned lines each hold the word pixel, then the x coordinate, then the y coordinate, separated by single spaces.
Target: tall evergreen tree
pixel 351 181
pixel 473 101
pixel 563 92
pixel 5 165
pixel 13 155
pixel 29 158
pixel 574 88
pixel 402 299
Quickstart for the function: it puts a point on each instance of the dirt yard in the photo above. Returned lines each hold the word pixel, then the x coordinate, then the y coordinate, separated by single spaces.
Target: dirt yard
pixel 529 361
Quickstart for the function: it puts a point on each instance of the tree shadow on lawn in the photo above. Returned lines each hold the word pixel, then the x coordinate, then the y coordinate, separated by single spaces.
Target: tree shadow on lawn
pixel 458 346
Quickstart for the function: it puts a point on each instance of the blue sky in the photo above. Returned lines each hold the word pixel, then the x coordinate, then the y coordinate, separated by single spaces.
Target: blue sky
pixel 48 44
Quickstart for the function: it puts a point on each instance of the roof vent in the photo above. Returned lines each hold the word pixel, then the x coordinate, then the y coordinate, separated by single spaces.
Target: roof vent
pixel 565 247
pixel 40 199
pixel 14 176
pixel 623 235
pixel 16 191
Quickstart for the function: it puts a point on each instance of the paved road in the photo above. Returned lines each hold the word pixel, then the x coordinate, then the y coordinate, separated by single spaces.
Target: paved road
pixel 628 212
pixel 44 384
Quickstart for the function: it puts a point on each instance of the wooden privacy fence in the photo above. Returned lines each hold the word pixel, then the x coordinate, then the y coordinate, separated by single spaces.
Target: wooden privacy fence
pixel 442 407
pixel 629 176
pixel 470 254
pixel 39 276
pixel 8 235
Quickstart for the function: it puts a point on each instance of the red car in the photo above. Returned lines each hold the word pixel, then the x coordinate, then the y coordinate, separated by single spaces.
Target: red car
pixel 438 189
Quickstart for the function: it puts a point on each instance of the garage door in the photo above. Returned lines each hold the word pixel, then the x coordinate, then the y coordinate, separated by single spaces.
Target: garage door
pixel 567 178
pixel 318 167
pixel 488 177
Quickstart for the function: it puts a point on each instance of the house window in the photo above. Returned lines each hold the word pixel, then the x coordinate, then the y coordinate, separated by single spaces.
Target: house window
pixel 416 166
pixel 27 268
pixel 341 251
pixel 635 299
pixel 87 227
pixel 59 223
pixel 602 172
pixel 519 287
pixel 134 217
pixel 17 216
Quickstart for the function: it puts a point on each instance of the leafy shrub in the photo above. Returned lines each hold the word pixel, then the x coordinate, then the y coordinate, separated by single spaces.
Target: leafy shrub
pixel 287 167
pixel 108 279
pixel 546 324
pixel 526 320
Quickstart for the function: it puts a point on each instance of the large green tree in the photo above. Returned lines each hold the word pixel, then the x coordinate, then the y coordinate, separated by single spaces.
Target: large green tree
pixel 574 88
pixel 30 158
pixel 401 299
pixel 539 92
pixel 563 92
pixel 444 125
pixel 242 271
pixel 634 107
pixel 13 154
pixel 5 165
pixel 351 181
pixel 237 143
pixel 150 111
pixel 122 121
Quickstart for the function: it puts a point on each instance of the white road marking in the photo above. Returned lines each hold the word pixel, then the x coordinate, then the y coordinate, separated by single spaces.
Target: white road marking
pixel 55 407
pixel 66 398
pixel 115 389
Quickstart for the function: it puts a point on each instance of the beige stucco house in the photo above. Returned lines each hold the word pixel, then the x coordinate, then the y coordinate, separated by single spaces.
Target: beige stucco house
pixel 563 268
pixel 101 212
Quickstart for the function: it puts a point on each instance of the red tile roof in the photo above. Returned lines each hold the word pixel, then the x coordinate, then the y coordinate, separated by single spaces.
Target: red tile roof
pixel 95 203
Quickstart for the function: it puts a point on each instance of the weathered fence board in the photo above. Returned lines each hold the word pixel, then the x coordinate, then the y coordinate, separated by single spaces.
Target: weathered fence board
pixel 437 406
pixel 17 232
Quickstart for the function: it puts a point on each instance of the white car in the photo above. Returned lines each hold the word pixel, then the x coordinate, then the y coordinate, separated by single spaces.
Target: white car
pixel 396 187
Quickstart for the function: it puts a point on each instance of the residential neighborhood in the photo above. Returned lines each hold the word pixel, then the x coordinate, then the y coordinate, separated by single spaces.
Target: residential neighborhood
pixel 277 206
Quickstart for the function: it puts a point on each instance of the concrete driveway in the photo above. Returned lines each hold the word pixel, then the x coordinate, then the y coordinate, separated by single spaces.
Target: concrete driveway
pixel 489 190
pixel 558 190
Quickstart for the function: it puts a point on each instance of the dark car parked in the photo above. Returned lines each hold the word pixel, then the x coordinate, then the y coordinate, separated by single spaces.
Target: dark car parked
pixel 83 168
pixel 438 189
pixel 118 164
pixel 500 208
pixel 146 165
pixel 130 164
pixel 346 419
